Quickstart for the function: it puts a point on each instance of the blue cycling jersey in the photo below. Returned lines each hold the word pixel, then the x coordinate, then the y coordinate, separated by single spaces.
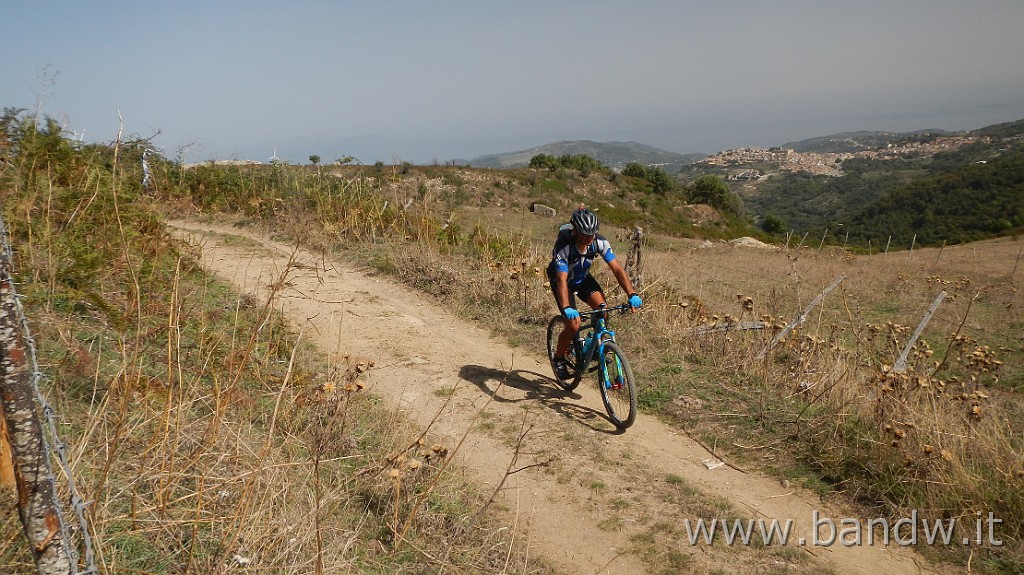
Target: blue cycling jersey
pixel 565 257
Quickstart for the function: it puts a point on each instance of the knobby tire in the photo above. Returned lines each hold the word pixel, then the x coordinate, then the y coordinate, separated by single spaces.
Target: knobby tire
pixel 554 328
pixel 620 403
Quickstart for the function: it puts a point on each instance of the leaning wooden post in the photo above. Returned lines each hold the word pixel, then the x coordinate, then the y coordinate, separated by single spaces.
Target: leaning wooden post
pixel 800 318
pixel 37 502
pixel 940 252
pixel 912 242
pixel 1016 263
pixel 801 244
pixel 901 364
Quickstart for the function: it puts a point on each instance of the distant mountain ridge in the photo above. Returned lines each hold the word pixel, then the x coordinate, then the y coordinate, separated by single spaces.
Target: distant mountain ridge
pixel 848 142
pixel 615 155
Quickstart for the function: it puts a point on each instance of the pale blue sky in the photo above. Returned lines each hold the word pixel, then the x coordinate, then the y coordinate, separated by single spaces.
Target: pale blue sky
pixel 421 81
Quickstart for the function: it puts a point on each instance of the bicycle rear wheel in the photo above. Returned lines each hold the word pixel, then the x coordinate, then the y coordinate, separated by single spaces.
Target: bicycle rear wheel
pixel 554 328
pixel 618 390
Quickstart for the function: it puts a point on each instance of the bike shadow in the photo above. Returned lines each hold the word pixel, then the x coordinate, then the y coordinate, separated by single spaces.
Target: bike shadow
pixel 539 388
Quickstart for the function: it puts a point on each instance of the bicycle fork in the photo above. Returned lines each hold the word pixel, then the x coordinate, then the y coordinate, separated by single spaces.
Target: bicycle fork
pixel 613 380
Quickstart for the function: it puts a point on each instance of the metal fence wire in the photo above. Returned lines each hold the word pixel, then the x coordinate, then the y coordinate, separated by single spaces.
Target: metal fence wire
pixel 56 448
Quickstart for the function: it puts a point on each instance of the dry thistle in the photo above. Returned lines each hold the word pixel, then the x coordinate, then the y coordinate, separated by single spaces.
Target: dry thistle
pixel 976 412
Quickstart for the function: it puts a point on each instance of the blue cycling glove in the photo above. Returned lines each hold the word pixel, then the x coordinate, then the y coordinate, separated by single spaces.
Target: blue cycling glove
pixel 570 313
pixel 635 301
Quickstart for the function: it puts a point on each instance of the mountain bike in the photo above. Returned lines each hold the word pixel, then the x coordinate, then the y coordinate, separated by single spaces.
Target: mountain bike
pixel 614 377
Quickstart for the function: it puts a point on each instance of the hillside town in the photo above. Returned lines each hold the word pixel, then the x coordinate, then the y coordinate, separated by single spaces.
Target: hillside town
pixel 821 163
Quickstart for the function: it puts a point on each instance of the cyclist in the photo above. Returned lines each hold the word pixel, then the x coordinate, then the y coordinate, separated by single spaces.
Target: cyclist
pixel 576 247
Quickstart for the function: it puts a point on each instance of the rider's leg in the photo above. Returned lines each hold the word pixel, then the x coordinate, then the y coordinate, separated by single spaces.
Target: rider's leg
pixel 572 327
pixel 596 299
pixel 590 291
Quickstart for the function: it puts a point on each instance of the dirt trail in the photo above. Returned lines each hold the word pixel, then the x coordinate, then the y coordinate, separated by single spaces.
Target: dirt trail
pixel 422 351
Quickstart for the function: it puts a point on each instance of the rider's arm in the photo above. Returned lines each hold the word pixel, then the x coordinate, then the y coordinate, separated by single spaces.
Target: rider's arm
pixel 562 289
pixel 621 276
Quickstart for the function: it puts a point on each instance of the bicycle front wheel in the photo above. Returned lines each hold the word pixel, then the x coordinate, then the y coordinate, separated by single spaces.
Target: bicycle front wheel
pixel 554 329
pixel 618 390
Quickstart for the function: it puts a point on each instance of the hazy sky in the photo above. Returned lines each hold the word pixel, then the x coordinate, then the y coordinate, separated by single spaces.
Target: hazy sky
pixel 421 81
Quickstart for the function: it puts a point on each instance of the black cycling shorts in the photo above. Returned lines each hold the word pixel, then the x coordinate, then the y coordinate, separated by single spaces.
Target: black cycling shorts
pixel 584 289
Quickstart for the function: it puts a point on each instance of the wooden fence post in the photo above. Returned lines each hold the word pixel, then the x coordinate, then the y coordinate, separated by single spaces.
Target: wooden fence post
pixel 940 252
pixel 634 260
pixel 901 364
pixel 38 509
pixel 6 457
pixel 801 318
pixel 1016 263
pixel 801 244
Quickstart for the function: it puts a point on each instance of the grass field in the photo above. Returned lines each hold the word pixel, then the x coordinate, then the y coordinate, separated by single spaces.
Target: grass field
pixel 188 398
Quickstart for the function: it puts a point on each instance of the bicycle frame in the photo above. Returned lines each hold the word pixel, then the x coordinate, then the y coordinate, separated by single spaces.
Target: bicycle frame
pixel 597 332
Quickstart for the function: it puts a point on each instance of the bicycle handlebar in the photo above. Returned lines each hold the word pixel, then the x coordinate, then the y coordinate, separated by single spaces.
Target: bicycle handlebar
pixel 621 308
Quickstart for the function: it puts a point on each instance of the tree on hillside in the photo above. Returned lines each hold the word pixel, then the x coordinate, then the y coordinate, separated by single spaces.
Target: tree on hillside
pixel 581 162
pixel 773 224
pixel 314 159
pixel 713 191
pixel 635 170
pixel 660 181
pixel 542 161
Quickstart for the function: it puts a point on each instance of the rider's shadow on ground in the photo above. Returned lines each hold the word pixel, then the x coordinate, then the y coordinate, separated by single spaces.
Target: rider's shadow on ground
pixel 538 388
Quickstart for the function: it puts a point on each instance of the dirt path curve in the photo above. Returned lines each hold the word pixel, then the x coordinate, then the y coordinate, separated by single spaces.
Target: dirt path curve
pixel 583 512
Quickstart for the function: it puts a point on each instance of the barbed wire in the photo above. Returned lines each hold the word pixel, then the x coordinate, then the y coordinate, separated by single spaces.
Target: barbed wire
pixel 704 262
pixel 721 287
pixel 55 447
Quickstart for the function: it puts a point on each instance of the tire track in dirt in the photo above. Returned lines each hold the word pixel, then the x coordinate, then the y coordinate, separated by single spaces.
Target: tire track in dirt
pixel 423 352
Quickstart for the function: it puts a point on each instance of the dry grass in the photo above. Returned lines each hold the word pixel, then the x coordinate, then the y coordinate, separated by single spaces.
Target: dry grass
pixel 248 448
pixel 944 437
pixel 823 405
pixel 206 435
